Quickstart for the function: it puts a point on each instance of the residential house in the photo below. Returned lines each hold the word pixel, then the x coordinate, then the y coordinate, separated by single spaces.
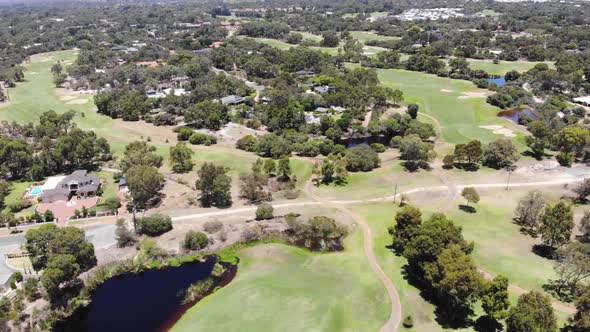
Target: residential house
pixel 232 100
pixel 78 184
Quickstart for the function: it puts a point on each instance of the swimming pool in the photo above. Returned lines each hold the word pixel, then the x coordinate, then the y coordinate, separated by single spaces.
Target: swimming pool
pixel 36 191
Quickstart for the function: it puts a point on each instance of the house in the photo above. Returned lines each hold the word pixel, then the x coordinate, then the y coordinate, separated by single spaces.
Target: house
pixel 321 89
pixel 78 184
pixel 307 73
pixel 338 109
pixel 123 185
pixel 322 110
pixel 583 100
pixel 232 100
pixel 311 119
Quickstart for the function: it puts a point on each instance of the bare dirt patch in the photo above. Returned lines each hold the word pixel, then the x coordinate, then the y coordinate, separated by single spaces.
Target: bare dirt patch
pixel 67 98
pixel 446 90
pixel 473 94
pixel 499 130
pixel 77 102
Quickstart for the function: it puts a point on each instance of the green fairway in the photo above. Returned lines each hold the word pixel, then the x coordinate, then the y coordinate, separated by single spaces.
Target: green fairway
pixel 364 36
pixel 282 288
pixel 505 66
pixel 459 106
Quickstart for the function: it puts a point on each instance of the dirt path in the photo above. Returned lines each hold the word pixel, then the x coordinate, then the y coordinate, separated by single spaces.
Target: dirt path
pixel 395 315
pixel 437 126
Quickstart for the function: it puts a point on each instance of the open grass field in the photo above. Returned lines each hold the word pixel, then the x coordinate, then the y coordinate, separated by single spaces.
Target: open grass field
pixel 505 66
pixel 459 106
pixel 282 288
pixel 364 36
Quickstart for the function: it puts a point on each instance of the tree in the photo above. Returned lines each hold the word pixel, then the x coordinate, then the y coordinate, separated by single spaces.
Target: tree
pixel 31 289
pixel 533 312
pixel 284 168
pixel 557 224
pixel 361 158
pixel 456 282
pixel 330 39
pixel 144 184
pixel 407 221
pixel 396 96
pixel 415 151
pixel 500 153
pixel 140 153
pixel 252 187
pixel 529 211
pixel 49 240
pixel 583 189
pixel 123 235
pixel 572 266
pixel 264 211
pixel 181 158
pixel 470 153
pixel 61 269
pixel 413 110
pixel 494 299
pixel 5 308
pixel 584 228
pixel 270 167
pixel 470 194
pixel 331 169
pixel 194 240
pixel 214 184
pixel 580 322
pixel 155 225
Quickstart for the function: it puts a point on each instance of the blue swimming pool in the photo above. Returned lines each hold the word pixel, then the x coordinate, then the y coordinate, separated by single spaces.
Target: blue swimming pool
pixel 36 191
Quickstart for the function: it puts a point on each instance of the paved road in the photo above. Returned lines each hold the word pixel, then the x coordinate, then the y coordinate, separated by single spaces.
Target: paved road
pixel 102 236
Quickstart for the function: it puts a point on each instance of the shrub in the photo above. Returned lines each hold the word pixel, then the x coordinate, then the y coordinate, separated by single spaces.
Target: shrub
pixel 113 203
pixel 194 240
pixel 251 234
pixel 264 211
pixel 565 158
pixel 184 133
pixel 202 139
pixel 395 141
pixel 408 322
pixel 19 206
pixel 18 276
pixel 13 284
pixel 378 147
pixel 212 226
pixel 155 225
pixel 361 158
pixel 247 143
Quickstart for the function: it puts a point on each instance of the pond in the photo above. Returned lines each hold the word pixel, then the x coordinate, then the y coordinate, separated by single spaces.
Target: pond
pixel 500 81
pixel 514 114
pixel 150 301
pixel 352 142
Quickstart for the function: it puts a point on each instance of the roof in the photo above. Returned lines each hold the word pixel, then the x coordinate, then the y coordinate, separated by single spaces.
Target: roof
pixel 52 182
pixel 231 99
pixel 585 99
pixel 122 182
pixel 305 73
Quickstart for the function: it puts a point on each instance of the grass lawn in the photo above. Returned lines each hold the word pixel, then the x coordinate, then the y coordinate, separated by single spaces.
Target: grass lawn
pixel 459 106
pixel 17 191
pixel 283 288
pixel 505 66
pixel 364 36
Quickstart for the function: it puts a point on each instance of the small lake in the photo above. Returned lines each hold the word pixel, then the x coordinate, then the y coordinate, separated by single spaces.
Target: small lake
pixel 149 301
pixel 500 81
pixel 515 113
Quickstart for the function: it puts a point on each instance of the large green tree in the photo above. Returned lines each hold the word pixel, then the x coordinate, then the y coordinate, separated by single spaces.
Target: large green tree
pixel 181 158
pixel 140 153
pixel 214 184
pixel 144 184
pixel 532 313
pixel 557 224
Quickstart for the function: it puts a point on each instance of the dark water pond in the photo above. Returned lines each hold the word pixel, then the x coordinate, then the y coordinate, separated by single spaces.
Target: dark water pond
pixel 351 142
pixel 150 301
pixel 500 81
pixel 515 113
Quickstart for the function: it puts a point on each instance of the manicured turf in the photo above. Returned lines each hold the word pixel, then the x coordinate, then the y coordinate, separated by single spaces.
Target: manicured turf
pixel 505 66
pixel 460 118
pixel 364 36
pixel 282 288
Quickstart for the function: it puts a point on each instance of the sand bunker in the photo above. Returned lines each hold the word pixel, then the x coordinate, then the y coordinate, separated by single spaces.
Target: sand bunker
pixel 445 90
pixel 67 98
pixel 77 101
pixel 499 130
pixel 468 95
pixel 32 73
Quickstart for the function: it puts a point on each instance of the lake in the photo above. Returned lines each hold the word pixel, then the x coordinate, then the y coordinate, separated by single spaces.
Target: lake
pixel 149 301
pixel 352 142
pixel 500 81
pixel 514 114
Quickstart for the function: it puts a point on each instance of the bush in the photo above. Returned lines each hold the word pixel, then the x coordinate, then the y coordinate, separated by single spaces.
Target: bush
pixel 395 141
pixel 565 159
pixel 155 225
pixel 212 226
pixel 251 234
pixel 19 206
pixel 195 240
pixel 361 158
pixel 408 322
pixel 18 276
pixel 247 143
pixel 264 211
pixel 184 133
pixel 202 139
pixel 378 147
